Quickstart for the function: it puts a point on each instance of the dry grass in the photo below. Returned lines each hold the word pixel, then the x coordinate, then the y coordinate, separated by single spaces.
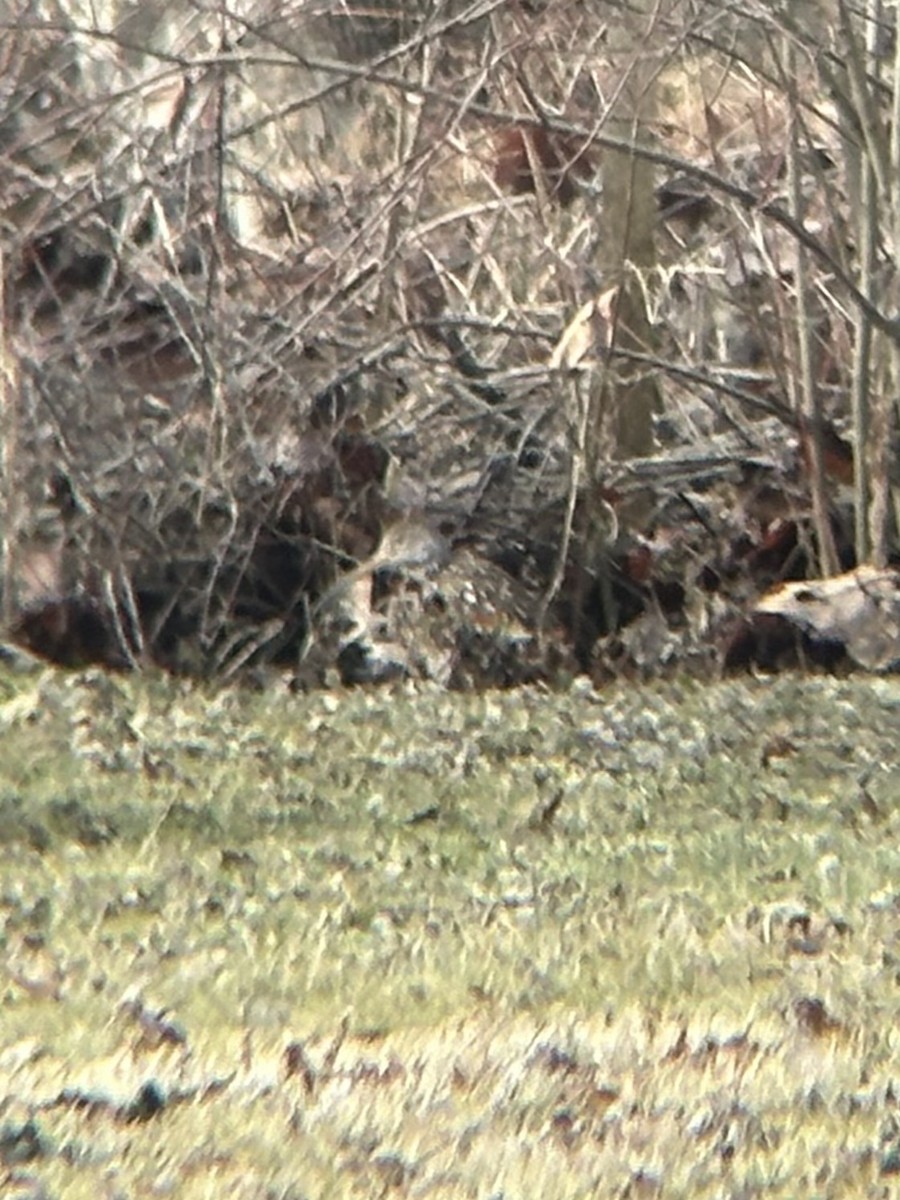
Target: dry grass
pixel 519 945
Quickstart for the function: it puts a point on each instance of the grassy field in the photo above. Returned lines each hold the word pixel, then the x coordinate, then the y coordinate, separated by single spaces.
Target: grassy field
pixel 531 946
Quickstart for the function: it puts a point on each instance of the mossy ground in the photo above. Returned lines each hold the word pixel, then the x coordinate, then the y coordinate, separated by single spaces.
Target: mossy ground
pixel 643 942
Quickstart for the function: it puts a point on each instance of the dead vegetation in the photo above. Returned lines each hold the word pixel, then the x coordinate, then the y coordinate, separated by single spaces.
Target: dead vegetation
pixel 292 296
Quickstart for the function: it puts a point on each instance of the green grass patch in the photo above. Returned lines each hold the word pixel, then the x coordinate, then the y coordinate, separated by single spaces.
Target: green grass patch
pixel 558 945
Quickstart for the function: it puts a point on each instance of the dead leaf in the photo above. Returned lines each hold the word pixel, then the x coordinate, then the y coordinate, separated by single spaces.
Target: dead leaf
pixel 860 610
pixel 587 331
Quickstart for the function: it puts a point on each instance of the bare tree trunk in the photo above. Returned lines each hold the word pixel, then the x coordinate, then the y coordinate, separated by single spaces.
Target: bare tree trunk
pixel 628 249
pixel 872 153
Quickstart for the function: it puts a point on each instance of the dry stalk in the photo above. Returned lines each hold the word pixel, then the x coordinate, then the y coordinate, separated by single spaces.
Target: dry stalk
pixel 579 411
pixel 9 423
pixel 809 400
pixel 890 495
pixel 873 460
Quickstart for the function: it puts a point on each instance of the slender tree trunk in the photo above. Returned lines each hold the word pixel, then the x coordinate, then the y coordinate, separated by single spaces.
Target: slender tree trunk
pixel 628 246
